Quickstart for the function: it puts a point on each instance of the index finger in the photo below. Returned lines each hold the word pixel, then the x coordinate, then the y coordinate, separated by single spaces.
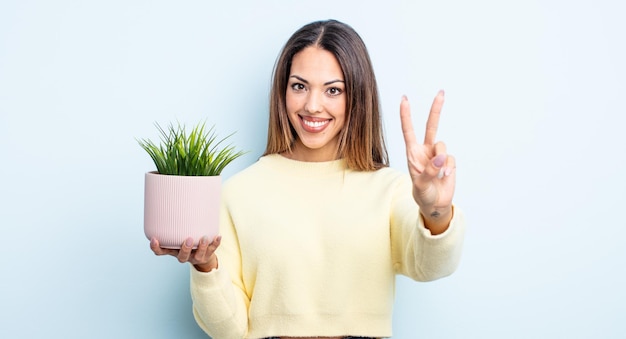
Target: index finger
pixel 433 119
pixel 407 124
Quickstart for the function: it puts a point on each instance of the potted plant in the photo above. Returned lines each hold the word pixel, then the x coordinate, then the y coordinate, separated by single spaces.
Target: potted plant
pixel 182 196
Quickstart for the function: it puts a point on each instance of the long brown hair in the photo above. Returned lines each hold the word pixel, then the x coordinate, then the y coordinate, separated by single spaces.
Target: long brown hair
pixel 361 141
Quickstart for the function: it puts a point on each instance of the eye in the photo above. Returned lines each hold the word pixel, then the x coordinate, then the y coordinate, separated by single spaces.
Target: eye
pixel 334 91
pixel 297 87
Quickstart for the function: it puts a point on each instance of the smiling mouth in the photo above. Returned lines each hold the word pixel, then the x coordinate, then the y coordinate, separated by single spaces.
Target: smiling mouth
pixel 314 124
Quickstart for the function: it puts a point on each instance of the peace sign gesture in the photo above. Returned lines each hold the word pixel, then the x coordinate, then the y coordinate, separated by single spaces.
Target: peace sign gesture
pixel 432 170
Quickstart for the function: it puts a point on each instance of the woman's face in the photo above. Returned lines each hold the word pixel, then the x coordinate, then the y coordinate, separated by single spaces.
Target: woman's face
pixel 316 104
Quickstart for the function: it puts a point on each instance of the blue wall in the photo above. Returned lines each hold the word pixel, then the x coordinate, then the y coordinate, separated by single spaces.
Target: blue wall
pixel 534 115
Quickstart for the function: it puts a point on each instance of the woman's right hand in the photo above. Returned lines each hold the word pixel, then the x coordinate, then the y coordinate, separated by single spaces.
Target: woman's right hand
pixel 203 258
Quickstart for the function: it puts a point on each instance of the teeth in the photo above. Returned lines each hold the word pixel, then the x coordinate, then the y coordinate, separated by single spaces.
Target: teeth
pixel 315 123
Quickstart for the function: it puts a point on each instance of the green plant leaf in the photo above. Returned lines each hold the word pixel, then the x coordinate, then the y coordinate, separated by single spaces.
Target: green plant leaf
pixel 197 153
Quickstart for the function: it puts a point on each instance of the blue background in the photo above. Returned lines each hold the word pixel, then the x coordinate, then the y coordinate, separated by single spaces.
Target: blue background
pixel 534 114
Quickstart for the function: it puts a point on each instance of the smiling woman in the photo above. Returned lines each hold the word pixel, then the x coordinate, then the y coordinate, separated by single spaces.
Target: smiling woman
pixel 314 233
pixel 337 50
pixel 316 105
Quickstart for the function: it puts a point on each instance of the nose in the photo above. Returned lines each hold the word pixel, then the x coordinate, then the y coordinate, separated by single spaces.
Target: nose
pixel 313 103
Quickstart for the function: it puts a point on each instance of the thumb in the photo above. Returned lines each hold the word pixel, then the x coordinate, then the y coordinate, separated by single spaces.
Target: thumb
pixel 434 169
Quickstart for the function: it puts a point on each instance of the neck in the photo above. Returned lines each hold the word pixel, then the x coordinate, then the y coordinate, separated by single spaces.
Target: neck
pixel 302 153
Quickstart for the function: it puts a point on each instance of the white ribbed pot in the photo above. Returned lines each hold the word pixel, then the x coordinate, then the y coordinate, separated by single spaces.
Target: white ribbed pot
pixel 178 207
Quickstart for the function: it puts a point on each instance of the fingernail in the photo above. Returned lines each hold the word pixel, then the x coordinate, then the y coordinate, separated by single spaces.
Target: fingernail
pixel 219 238
pixel 189 242
pixel 153 242
pixel 204 240
pixel 439 160
pixel 440 174
pixel 442 92
pixel 404 97
pixel 448 171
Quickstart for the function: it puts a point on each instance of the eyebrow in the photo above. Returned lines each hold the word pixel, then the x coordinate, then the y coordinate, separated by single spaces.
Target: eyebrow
pixel 325 84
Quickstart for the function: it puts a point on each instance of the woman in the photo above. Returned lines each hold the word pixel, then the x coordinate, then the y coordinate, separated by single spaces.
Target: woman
pixel 313 234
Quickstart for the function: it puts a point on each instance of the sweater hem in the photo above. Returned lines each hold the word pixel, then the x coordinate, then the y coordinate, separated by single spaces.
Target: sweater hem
pixel 323 325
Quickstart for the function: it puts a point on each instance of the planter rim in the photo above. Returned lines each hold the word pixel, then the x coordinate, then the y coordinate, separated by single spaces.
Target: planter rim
pixel 183 176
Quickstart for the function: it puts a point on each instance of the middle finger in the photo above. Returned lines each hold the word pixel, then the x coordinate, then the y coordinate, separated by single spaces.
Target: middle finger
pixel 202 249
pixel 185 250
pixel 433 119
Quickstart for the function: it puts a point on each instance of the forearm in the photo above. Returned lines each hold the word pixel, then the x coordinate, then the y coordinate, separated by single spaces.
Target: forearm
pixel 219 307
pixel 438 255
pixel 422 255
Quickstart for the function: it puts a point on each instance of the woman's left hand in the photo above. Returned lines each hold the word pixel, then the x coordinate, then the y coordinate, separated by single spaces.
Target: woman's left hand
pixel 432 170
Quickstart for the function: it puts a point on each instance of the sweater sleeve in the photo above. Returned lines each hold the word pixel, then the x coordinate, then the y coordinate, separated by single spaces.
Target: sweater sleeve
pixel 417 253
pixel 220 302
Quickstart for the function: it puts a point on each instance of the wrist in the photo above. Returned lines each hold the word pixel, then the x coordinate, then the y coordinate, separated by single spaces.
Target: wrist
pixel 437 220
pixel 207 267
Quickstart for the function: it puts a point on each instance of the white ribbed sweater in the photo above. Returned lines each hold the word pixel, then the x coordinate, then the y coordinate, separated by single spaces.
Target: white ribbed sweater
pixel 312 249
